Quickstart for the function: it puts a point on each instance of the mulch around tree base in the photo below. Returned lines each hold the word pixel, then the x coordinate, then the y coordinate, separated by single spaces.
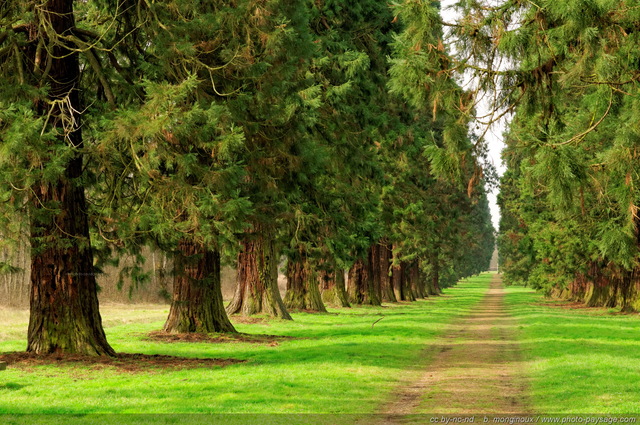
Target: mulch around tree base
pixel 576 305
pixel 271 340
pixel 124 362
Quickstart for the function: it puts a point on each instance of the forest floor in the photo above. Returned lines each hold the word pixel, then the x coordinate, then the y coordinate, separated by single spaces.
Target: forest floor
pixel 475 369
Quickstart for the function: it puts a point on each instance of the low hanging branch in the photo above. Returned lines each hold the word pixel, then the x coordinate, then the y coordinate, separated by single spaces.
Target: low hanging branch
pixel 97 68
pixel 373 324
pixel 580 136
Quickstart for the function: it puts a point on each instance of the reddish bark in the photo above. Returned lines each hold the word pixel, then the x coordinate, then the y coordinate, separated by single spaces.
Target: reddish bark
pixel 64 313
pixel 417 283
pixel 401 278
pixel 332 286
pixel 302 286
pixel 386 283
pixel 433 284
pixel 375 267
pixel 197 296
pixel 257 279
pixel 360 287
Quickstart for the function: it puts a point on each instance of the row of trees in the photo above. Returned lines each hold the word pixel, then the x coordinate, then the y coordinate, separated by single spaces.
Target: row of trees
pixel 235 132
pixel 569 73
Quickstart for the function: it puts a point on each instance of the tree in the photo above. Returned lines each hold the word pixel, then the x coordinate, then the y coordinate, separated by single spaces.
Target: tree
pixel 197 302
pixel 41 132
pixel 274 108
pixel 336 205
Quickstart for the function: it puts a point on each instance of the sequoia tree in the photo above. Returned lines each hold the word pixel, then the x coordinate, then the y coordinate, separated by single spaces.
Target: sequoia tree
pixel 42 167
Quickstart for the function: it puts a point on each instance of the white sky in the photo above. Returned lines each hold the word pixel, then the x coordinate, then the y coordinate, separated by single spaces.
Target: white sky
pixel 493 137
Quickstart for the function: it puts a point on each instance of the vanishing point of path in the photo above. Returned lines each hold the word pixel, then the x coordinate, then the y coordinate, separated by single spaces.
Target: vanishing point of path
pixel 475 369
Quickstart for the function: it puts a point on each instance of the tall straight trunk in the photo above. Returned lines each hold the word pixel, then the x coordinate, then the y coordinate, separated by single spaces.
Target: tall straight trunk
pixel 197 304
pixel 433 283
pixel 376 271
pixel 373 284
pixel 302 286
pixel 332 285
pixel 628 291
pixel 360 284
pixel 386 283
pixel 401 278
pixel 356 283
pixel 407 285
pixel 257 279
pixel 417 284
pixel 64 315
pixel 397 277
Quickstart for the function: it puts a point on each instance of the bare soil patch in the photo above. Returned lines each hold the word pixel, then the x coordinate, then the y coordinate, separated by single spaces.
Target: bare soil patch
pixel 249 320
pixel 567 305
pixel 576 305
pixel 123 362
pixel 162 336
pixel 475 368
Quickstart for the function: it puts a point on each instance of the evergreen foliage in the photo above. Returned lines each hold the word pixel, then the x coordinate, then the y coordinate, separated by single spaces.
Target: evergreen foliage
pixel 240 132
pixel 569 200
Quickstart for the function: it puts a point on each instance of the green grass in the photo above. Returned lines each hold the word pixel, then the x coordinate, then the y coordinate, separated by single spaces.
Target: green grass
pixel 577 360
pixel 335 363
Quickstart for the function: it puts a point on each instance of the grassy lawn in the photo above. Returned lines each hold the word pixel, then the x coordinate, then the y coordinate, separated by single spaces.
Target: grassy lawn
pixel 339 362
pixel 578 360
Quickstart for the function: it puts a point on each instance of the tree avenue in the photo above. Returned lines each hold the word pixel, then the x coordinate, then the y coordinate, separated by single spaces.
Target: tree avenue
pixel 331 136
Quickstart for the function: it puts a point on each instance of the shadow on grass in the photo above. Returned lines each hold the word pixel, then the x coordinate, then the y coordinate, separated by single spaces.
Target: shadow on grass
pixel 324 363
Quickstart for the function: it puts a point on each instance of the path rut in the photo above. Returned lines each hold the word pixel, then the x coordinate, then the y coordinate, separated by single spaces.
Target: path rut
pixel 475 369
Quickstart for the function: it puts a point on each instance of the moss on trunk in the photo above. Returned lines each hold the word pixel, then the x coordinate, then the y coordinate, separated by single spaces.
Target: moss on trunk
pixel 64 313
pixel 332 285
pixel 303 292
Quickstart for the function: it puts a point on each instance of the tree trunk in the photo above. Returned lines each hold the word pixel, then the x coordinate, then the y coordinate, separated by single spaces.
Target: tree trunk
pixel 386 282
pixel 433 279
pixel 303 292
pixel 433 284
pixel 627 291
pixel 376 273
pixel 360 288
pixel 396 275
pixel 373 281
pixel 356 283
pixel 401 278
pixel 407 284
pixel 577 289
pixel 64 314
pixel 417 284
pixel 197 297
pixel 332 286
pixel 257 279
pixel 602 288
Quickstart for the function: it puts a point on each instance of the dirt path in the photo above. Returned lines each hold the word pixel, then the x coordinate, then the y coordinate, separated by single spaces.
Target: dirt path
pixel 475 369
